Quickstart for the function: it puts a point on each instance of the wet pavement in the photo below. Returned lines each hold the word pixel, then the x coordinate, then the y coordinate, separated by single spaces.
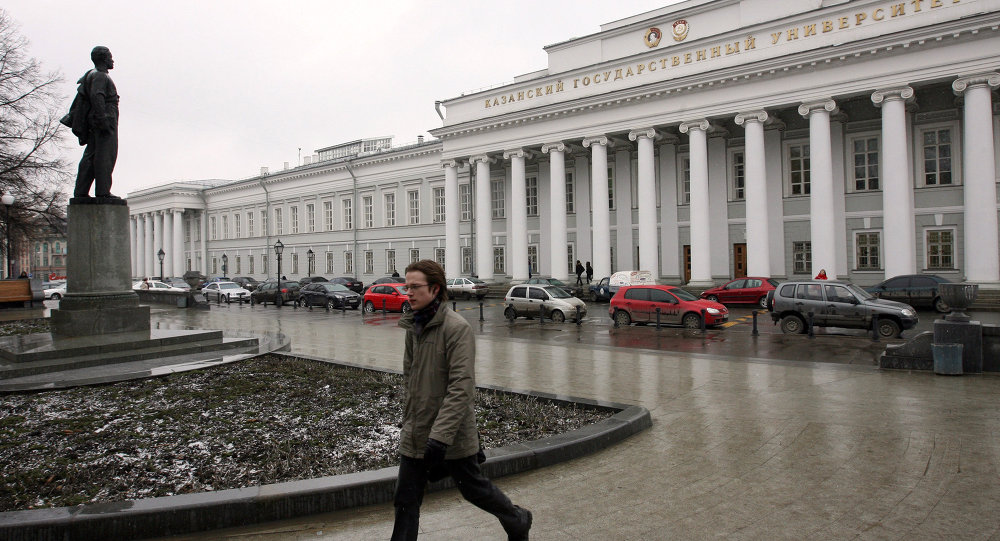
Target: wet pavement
pixel 773 437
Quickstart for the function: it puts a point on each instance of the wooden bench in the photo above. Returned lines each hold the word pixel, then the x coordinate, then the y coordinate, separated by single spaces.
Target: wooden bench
pixel 16 291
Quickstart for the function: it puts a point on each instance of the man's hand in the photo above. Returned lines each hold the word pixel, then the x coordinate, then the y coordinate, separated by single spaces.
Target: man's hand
pixel 434 453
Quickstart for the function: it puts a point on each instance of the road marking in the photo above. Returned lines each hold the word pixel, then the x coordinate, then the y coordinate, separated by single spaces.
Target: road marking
pixel 744 319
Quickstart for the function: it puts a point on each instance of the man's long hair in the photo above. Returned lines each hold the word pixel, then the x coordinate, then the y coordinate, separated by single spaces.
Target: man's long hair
pixel 434 274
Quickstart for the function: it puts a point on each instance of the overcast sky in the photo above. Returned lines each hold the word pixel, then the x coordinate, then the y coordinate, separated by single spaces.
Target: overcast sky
pixel 217 89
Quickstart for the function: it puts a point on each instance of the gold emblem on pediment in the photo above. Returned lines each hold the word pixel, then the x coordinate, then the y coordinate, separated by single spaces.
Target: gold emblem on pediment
pixel 652 37
pixel 680 29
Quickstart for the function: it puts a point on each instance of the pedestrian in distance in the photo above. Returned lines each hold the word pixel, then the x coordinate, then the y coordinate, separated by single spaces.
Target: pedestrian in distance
pixel 579 273
pixel 439 435
pixel 145 283
pixel 821 275
pixel 590 273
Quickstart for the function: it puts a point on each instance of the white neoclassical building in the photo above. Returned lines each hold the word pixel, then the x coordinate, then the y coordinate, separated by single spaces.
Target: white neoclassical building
pixel 702 141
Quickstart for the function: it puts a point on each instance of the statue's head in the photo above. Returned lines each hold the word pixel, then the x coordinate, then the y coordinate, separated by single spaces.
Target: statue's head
pixel 101 54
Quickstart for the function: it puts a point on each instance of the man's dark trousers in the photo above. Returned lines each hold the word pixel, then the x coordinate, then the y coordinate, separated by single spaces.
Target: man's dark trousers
pixel 475 488
pixel 97 164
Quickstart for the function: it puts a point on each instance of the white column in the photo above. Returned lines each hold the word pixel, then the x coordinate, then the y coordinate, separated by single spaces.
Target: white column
pixel 557 213
pixel 647 201
pixel 518 243
pixel 599 204
pixel 204 242
pixel 484 218
pixel 758 246
pixel 132 244
pixel 177 253
pixel 982 251
pixel 168 242
pixel 898 227
pixel 581 182
pixel 701 260
pixel 140 246
pixel 821 208
pixel 147 255
pixel 452 250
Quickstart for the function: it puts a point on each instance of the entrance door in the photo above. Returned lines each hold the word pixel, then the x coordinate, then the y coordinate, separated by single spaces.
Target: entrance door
pixel 687 263
pixel 740 260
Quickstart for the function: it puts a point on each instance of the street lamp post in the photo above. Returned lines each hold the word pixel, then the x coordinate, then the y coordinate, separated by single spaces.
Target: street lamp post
pixel 311 256
pixel 8 200
pixel 160 255
pixel 278 248
pixel 225 266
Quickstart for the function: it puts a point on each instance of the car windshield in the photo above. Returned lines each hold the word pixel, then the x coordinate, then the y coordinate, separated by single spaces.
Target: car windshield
pixel 557 292
pixel 335 287
pixel 228 285
pixel 683 295
pixel 556 282
pixel 289 283
pixel 860 293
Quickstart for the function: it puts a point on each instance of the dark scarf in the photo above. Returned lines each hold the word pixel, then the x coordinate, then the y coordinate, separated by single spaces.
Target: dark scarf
pixel 422 317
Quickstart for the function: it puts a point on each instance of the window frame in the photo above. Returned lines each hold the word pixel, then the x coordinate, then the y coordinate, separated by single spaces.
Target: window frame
pixel 413 207
pixel 347 213
pixel 437 195
pixel 368 210
pixel 684 178
pixel 499 260
pixel 389 209
pixel 954 247
pixel 737 168
pixel 879 267
pixel 531 195
pixel 956 153
pixel 498 206
pixel 806 257
pixel 787 167
pixel 465 202
pixel 849 167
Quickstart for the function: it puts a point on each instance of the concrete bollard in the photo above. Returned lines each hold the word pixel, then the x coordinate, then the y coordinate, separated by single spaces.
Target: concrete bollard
pixel 579 318
pixel 481 311
pixel 541 314
pixel 703 318
pixel 754 332
pixel 384 311
pixel 809 323
pixel 454 305
pixel 875 327
pixel 657 318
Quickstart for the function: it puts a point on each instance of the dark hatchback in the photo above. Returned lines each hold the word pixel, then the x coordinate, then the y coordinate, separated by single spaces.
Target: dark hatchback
pixel 353 284
pixel 246 282
pixel 267 292
pixel 311 280
pixel 917 290
pixel 386 280
pixel 329 295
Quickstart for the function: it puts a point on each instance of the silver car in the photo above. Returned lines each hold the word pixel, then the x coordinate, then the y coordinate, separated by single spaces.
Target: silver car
pixel 467 288
pixel 552 301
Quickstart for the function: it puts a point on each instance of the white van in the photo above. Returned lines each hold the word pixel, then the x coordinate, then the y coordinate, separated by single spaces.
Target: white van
pixel 629 278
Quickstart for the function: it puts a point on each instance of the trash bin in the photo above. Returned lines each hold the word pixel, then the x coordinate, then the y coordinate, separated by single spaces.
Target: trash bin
pixel 947 359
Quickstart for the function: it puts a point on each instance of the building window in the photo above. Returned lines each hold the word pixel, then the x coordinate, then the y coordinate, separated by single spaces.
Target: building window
pixel 369 262
pixel 570 260
pixel 940 249
pixel 225 227
pixel 611 188
pixel 295 219
pixel 329 262
pixel 390 210
pixel 369 211
pixel 249 264
pixel 413 203
pixel 328 215
pixel 531 190
pixel 311 218
pixel 865 152
pixel 213 228
pixel 439 256
pixel 937 153
pixel 390 261
pixel 250 232
pixel 215 265
pixel 278 222
pixel 533 258
pixel 498 260
pixel 349 262
pixel 414 255
pixel 465 201
pixel 798 169
pixel 187 232
pixel 466 260
pixel 739 177
pixel 263 224
pixel 570 195
pixel 867 249
pixel 801 257
pixel 238 270
pixel 497 197
pixel 348 221
pixel 685 176
pixel 438 205
pixel 263 262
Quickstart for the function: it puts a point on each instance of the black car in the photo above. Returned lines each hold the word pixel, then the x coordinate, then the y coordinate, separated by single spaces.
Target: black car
pixel 353 284
pixel 267 292
pixel 386 280
pixel 329 295
pixel 311 279
pixel 246 282
pixel 917 290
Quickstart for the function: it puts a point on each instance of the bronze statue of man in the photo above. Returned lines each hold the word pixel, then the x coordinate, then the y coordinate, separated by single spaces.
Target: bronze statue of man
pixel 102 121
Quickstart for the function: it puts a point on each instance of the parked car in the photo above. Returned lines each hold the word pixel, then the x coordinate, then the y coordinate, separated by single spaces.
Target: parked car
pixel 311 279
pixel 392 295
pixel 55 290
pixel 919 290
pixel 353 284
pixel 836 304
pixel 386 280
pixel 246 282
pixel 601 291
pixel 555 302
pixel 268 292
pixel 638 304
pixel 156 284
pixel 224 291
pixel 178 282
pixel 467 288
pixel 542 280
pixel 747 290
pixel 330 295
pixel 629 278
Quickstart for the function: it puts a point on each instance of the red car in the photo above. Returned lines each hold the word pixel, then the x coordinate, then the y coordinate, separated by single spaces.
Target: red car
pixel 393 295
pixel 748 290
pixel 638 304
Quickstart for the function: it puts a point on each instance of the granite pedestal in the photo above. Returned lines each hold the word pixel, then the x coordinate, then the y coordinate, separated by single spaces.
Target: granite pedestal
pixel 970 335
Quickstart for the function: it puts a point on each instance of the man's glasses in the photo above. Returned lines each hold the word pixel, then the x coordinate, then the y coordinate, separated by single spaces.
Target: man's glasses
pixel 408 287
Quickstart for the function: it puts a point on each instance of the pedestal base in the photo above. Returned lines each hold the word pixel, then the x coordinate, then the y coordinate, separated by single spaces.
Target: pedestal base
pixel 96 321
pixel 970 335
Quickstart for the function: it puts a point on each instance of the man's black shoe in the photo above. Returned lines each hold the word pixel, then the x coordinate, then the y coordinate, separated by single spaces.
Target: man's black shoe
pixel 521 534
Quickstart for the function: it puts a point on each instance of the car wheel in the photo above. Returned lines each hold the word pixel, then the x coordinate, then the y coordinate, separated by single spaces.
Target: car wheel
pixel 56 296
pixel 369 307
pixel 302 301
pixel 941 306
pixel 762 302
pixel 330 305
pixel 888 328
pixel 691 321
pixel 510 313
pixel 713 298
pixel 557 316
pixel 406 308
pixel 622 319
pixel 594 297
pixel 792 325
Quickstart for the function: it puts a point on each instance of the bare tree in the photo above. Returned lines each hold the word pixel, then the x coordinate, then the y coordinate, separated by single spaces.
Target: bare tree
pixel 31 168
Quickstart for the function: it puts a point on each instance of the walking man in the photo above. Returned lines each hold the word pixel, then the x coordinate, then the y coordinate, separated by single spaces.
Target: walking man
pixel 590 273
pixel 439 435
pixel 102 136
pixel 579 273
